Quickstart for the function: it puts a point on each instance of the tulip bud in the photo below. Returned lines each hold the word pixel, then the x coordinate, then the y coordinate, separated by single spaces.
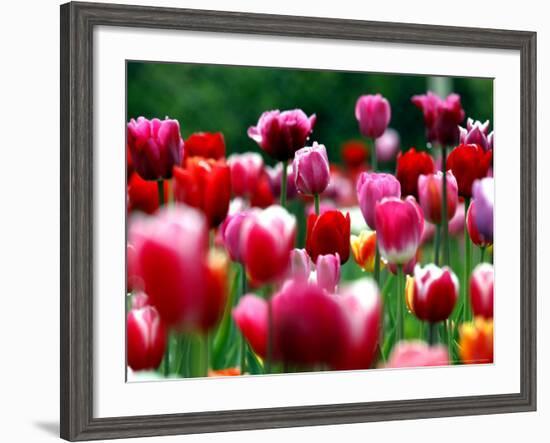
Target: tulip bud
pixel 267 237
pixel 484 193
pixel 328 233
pixel 481 290
pixel 246 171
pixel 373 187
pixel 435 293
pixel 400 224
pixel 476 133
pixel 155 146
pixel 472 225
pixel 373 113
pixel 300 265
pixel 410 354
pixel 146 338
pixel 311 169
pixel 328 271
pixel 363 248
pixel 206 145
pixel 231 235
pixel 430 190
pixel 476 341
pixel 281 134
pixel 411 165
pixel 387 145
pixel 468 163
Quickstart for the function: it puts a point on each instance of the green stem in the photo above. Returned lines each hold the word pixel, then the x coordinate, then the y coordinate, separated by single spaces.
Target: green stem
pixel 377 265
pixel 166 366
pixel 399 301
pixel 317 203
pixel 160 189
pixel 373 156
pixel 444 216
pixel 449 338
pixel 437 243
pixel 483 249
pixel 243 340
pixel 283 184
pixel 431 333
pixel 467 263
pixel 269 353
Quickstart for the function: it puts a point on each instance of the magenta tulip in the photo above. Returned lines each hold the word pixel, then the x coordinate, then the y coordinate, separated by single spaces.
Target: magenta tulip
pixel 410 354
pixel 372 187
pixel 481 290
pixel 472 224
pixel 483 192
pixel 246 171
pixel 476 133
pixel 146 338
pixel 231 234
pixel 399 228
pixel 435 292
pixel 155 147
pixel 300 265
pixel 327 270
pixel 311 169
pixel 267 238
pixel 387 145
pixel 281 134
pixel 251 317
pixel 373 113
pixel 430 190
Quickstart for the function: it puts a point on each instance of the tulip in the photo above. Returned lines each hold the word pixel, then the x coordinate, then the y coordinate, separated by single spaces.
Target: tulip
pixel 262 196
pixel 226 372
pixel 328 271
pixel 412 354
pixel 311 169
pixel 441 117
pixel 400 224
pixel 481 290
pixel 428 232
pixel 371 189
pixel 146 338
pixel 456 224
pixel 468 163
pixel 140 300
pixel 324 206
pixel 155 147
pixel 275 173
pixel 328 233
pixel 171 260
pixel 387 145
pixel 143 194
pixel 216 290
pixel 246 172
pixel 300 265
pixel 267 237
pixel 204 184
pixel 435 293
pixel 205 145
pixel 373 113
pixel 355 154
pixel 430 195
pixel 129 163
pixel 281 134
pixel 476 133
pixel 251 317
pixel 472 225
pixel 484 193
pixel 411 165
pixel 363 248
pixel 362 306
pixel 231 235
pixel 476 341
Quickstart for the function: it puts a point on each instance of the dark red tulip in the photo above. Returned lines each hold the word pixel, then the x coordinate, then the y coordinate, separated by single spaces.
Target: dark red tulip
pixel 262 195
pixel 469 163
pixel 411 165
pixel 216 290
pixel 143 194
pixel 206 145
pixel 146 338
pixel 355 154
pixel 328 233
pixel 204 184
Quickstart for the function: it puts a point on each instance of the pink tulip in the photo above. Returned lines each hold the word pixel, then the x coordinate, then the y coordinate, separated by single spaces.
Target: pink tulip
pixel 400 224
pixel 281 134
pixel 456 223
pixel 481 290
pixel 140 300
pixel 251 317
pixel 476 133
pixel 435 292
pixel 246 170
pixel 483 192
pixel 387 145
pixel 417 354
pixel 472 224
pixel 373 113
pixel 430 190
pixel 146 338
pixel 362 307
pixel 328 271
pixel 300 265
pixel 311 169
pixel 372 187
pixel 155 147
pixel 267 237
pixel 231 230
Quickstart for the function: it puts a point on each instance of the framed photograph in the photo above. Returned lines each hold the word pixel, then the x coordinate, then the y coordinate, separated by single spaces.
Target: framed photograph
pixel 272 221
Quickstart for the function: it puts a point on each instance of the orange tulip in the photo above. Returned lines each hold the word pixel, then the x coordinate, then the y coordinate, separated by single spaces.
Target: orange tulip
pixel 476 341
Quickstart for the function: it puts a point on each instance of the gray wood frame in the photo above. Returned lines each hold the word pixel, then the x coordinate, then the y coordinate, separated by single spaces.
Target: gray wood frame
pixel 77 23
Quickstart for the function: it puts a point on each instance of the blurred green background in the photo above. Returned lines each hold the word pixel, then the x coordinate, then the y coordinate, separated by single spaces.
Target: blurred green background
pixel 231 98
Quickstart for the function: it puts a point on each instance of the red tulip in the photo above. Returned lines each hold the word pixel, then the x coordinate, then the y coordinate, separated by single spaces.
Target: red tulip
pixel 143 194
pixel 355 154
pixel 251 317
pixel 267 237
pixel 430 189
pixel 262 196
pixel 435 293
pixel 417 354
pixel 204 184
pixel 481 290
pixel 206 145
pixel 155 146
pixel 146 338
pixel 246 171
pixel 281 134
pixel 328 233
pixel 411 165
pixel 400 224
pixel 468 163
pixel 216 290
pixel 472 223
